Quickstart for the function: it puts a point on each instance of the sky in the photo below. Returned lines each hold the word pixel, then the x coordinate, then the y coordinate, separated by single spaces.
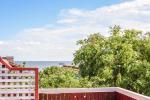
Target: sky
pixel 47 30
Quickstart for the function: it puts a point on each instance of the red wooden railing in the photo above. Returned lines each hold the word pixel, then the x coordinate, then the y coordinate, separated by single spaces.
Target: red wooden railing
pixel 113 93
pixel 85 96
pixel 119 96
pixel 79 96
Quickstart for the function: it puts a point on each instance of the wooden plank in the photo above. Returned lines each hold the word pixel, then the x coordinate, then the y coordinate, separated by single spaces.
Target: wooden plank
pixel 49 96
pixel 45 96
pixel 66 95
pixel 75 96
pixel 92 96
pixel 96 96
pixel 87 96
pixel 17 98
pixel 41 96
pixel 71 96
pixel 76 90
pixel 62 96
pixel 111 96
pixel 59 97
pixel 53 97
pixel 84 96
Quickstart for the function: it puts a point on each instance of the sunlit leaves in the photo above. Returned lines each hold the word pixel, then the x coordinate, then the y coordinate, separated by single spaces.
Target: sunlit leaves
pixel 122 59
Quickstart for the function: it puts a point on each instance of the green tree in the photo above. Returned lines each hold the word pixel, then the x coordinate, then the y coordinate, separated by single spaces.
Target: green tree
pixel 56 77
pixel 122 59
pixel 86 56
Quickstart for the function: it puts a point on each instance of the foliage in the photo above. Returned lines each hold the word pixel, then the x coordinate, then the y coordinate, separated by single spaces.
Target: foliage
pixel 86 56
pixel 122 59
pixel 55 77
pixel 61 77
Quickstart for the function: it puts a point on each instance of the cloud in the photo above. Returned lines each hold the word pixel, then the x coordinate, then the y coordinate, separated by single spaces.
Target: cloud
pixel 1 42
pixel 129 14
pixel 59 41
pixel 67 21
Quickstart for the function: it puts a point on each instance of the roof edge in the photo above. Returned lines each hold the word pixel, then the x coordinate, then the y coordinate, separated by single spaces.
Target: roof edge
pixel 5 63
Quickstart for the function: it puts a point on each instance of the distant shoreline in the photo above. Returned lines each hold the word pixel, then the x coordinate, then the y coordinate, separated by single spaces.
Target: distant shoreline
pixel 44 64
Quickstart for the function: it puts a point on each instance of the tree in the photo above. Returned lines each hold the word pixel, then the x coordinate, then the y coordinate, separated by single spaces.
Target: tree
pixel 58 77
pixel 122 59
pixel 86 56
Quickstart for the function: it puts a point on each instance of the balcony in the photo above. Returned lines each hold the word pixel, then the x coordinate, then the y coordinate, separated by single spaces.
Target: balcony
pixel 111 93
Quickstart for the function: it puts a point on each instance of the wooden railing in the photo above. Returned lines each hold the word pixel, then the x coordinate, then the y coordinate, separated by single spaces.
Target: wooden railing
pixel 78 96
pixel 112 93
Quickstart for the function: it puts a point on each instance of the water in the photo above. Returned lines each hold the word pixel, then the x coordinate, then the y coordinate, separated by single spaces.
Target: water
pixel 43 64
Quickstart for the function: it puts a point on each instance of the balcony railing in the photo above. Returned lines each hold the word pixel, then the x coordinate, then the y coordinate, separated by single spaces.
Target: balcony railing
pixel 111 93
pixel 17 83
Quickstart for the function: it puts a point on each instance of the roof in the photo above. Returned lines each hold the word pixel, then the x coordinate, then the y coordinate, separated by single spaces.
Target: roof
pixel 13 66
pixel 5 62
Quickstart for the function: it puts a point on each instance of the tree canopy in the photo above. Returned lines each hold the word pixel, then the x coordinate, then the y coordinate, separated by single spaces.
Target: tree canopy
pixel 122 59
pixel 61 77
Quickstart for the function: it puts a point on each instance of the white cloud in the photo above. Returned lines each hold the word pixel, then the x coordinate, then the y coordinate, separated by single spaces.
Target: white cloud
pixel 1 42
pixel 130 14
pixel 67 21
pixel 58 42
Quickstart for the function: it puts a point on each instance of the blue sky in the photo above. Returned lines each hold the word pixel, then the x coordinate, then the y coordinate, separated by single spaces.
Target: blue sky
pixel 48 30
pixel 17 15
